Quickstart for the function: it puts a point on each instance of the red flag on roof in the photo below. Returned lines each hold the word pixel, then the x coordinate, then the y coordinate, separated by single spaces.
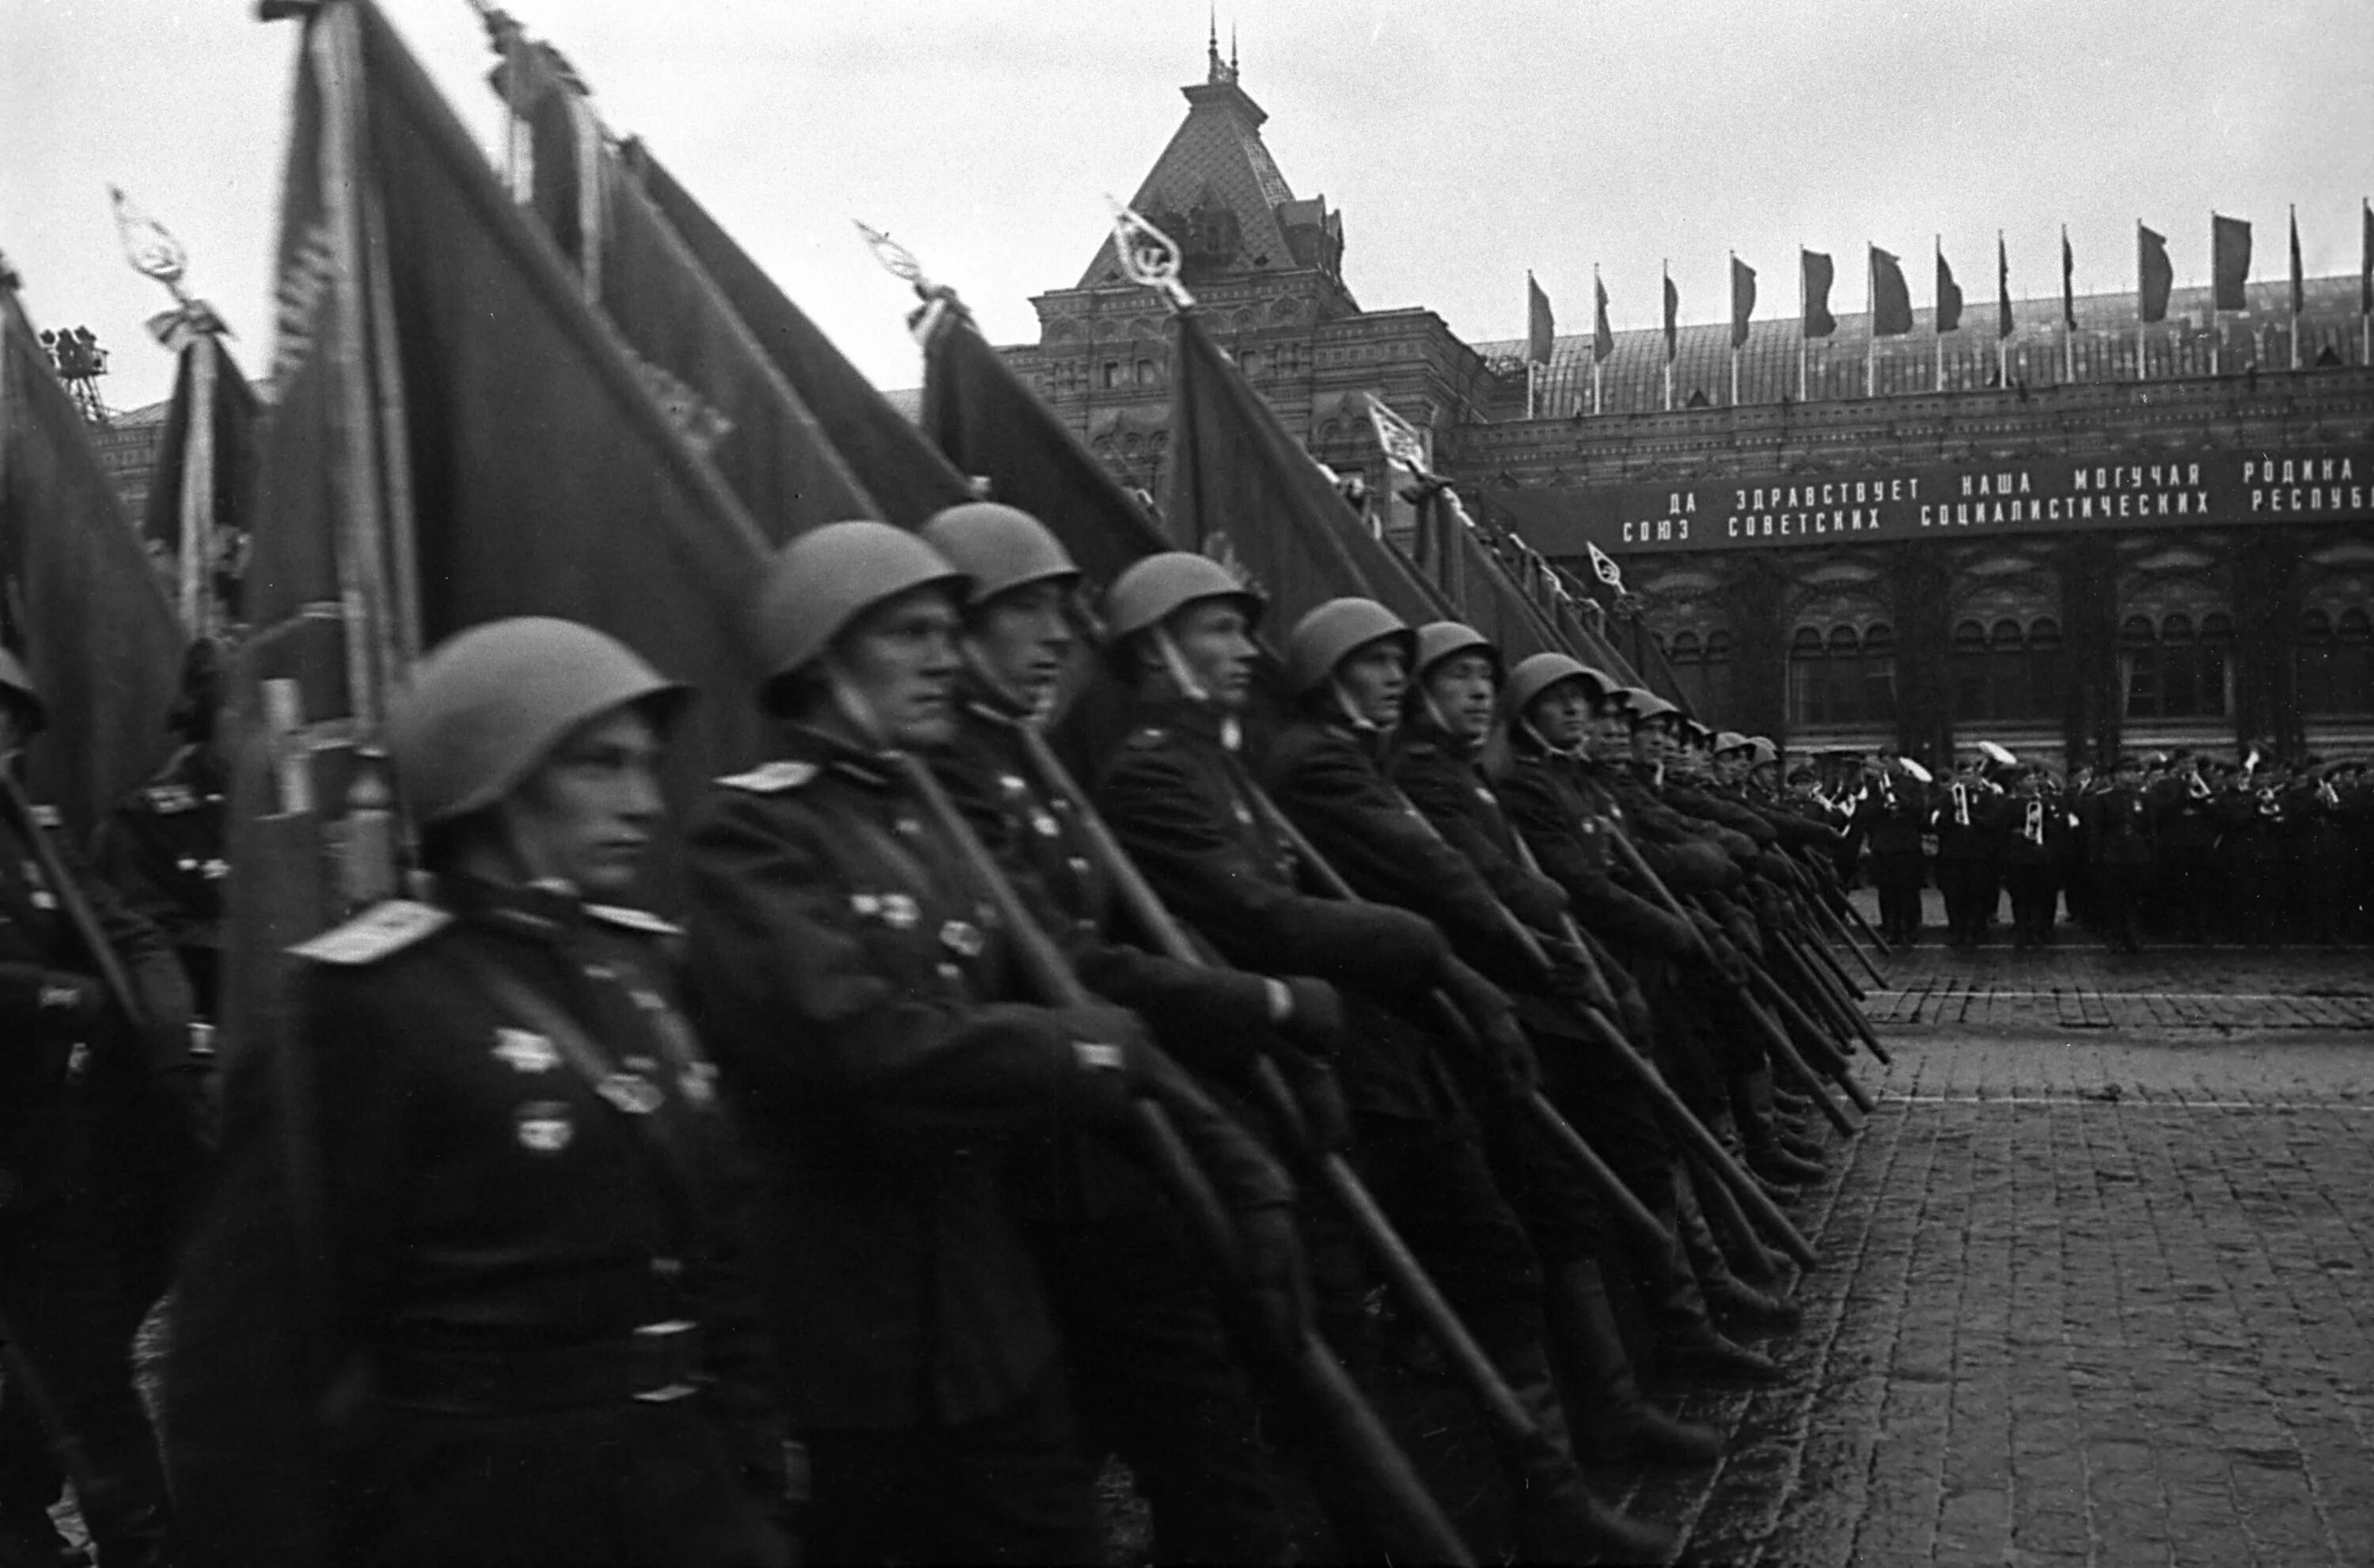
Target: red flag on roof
pixel 458 438
pixel 1602 338
pixel 1891 300
pixel 2003 289
pixel 1948 317
pixel 79 603
pixel 2068 283
pixel 1742 299
pixel 2153 275
pixel 2229 263
pixel 2299 284
pixel 1541 328
pixel 1672 318
pixel 1814 275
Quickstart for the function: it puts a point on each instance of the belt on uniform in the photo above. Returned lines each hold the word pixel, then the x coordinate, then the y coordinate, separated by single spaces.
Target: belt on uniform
pixel 656 1364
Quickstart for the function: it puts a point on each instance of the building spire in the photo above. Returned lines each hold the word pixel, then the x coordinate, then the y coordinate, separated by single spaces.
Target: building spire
pixel 1212 45
pixel 1232 48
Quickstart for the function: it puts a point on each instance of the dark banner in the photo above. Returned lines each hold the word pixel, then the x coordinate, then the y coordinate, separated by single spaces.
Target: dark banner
pixel 1885 505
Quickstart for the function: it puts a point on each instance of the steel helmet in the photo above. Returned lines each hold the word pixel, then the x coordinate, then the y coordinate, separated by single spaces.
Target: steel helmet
pixel 1000 548
pixel 1761 751
pixel 1333 632
pixel 1538 674
pixel 487 705
pixel 1157 586
pixel 1698 734
pixel 1644 704
pixel 1731 741
pixel 15 682
pixel 828 576
pixel 1438 640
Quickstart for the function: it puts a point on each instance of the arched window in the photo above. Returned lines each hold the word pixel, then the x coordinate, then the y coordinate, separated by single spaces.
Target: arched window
pixel 1967 653
pixel 1878 671
pixel 2335 663
pixel 1840 677
pixel 2174 669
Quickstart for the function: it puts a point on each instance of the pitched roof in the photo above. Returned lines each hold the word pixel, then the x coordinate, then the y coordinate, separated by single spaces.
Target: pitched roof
pixel 1633 379
pixel 1215 156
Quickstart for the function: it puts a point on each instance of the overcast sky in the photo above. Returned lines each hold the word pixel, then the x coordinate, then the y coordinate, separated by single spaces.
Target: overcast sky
pixel 1463 140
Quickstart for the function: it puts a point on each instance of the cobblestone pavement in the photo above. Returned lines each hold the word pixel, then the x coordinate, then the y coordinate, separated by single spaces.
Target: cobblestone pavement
pixel 2095 1292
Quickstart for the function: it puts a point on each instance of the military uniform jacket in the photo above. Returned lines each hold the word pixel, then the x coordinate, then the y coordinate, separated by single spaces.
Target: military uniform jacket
pixel 1969 820
pixel 1709 802
pixel 1183 807
pixel 1442 779
pixel 1329 778
pixel 2118 827
pixel 1891 812
pixel 161 850
pixel 1566 819
pixel 39 950
pixel 1688 856
pixel 2182 819
pixel 2034 830
pixel 856 988
pixel 1210 1017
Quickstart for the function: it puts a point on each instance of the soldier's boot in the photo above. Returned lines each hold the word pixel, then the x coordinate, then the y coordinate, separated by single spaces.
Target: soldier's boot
pixel 1742 1248
pixel 1688 1340
pixel 1612 1421
pixel 1557 1519
pixel 1752 1099
pixel 1727 1295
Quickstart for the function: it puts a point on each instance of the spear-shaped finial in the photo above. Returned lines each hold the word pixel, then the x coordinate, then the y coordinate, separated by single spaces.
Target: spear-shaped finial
pixel 149 245
pixel 1148 257
pixel 896 259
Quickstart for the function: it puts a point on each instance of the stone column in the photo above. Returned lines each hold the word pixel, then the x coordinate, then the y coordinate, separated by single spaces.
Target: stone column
pixel 2094 708
pixel 1919 576
pixel 2266 630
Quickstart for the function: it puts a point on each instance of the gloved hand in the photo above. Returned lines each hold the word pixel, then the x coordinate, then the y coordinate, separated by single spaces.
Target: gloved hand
pixel 1536 900
pixel 1572 982
pixel 1320 1096
pixel 1114 1060
pixel 1314 1019
pixel 1277 1276
pixel 62 1004
pixel 1516 1072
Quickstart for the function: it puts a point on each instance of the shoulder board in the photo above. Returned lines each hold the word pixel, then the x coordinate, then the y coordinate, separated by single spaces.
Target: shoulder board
pixel 771 777
pixel 46 816
pixel 633 919
pixel 376 933
pixel 1146 738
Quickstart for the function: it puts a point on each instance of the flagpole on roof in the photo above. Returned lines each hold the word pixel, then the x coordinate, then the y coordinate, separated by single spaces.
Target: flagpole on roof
pixel 1665 271
pixel 2069 316
pixel 2139 300
pixel 1871 316
pixel 1801 321
pixel 2002 340
pixel 1735 347
pixel 1935 328
pixel 2296 285
pixel 1598 295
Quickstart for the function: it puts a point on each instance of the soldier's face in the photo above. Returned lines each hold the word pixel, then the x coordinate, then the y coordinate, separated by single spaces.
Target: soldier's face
pixel 901 661
pixel 1611 732
pixel 585 816
pixel 1373 681
pixel 1650 744
pixel 1022 639
pixel 1561 716
pixel 1216 644
pixel 1462 690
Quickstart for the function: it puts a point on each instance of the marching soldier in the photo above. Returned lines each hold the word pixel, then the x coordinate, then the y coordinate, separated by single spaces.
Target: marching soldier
pixel 1968 817
pixel 1345 671
pixel 515 1322
pixel 2032 858
pixel 97 1108
pixel 1149 1366
pixel 162 850
pixel 863 998
pixel 1892 811
pixel 2118 829
pixel 1181 801
pixel 2184 847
